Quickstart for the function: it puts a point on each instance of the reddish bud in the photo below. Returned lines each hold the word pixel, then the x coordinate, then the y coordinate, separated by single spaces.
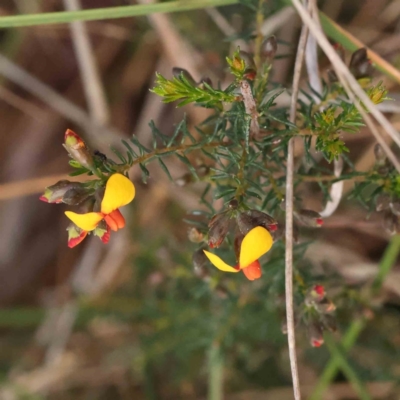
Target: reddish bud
pixel 77 149
pixel 315 334
pixel 250 74
pixel 248 220
pixel 309 218
pixel 75 235
pixel 102 231
pixel 317 342
pixel 55 193
pixel 318 291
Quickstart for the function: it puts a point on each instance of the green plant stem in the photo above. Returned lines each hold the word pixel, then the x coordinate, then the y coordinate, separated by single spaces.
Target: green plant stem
pixel 388 260
pixel 338 355
pixel 108 13
pixel 350 337
pixel 259 38
pixel 215 373
pixel 170 151
pixel 331 369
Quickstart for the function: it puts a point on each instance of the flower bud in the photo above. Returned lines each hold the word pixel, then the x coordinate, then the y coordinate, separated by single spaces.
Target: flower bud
pixel 382 202
pixel 178 72
pixel 395 207
pixel 309 218
pixel 268 49
pixel 317 292
pixel 77 149
pixel 360 66
pixel 102 231
pixel 247 220
pixel 250 74
pixel 238 64
pixel 315 334
pixel 75 235
pixel 75 196
pixel 56 192
pixel 219 227
pixel 195 235
pixel 199 261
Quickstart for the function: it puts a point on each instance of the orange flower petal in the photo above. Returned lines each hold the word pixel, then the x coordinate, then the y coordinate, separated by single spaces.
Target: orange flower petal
pixel 74 241
pixel 253 271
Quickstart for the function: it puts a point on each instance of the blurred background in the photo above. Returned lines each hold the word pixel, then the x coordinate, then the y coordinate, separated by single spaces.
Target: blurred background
pixel 130 320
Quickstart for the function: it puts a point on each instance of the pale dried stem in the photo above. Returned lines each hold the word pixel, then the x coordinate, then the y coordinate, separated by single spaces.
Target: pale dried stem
pixel 336 190
pixel 251 107
pixel 352 87
pixel 289 219
pixel 90 75
pixel 57 102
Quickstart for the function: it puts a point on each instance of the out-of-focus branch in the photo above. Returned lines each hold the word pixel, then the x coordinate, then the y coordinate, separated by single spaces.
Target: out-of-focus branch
pixel 289 218
pixel 91 80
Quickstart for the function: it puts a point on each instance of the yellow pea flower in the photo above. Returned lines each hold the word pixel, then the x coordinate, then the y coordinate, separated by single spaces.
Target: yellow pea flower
pixel 119 192
pixel 256 243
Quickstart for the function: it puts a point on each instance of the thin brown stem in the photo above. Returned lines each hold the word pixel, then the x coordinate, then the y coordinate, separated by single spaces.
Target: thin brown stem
pixel 289 218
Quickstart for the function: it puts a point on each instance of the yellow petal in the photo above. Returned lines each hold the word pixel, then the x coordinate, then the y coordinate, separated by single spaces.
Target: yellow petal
pixel 119 192
pixel 217 262
pixel 256 243
pixel 87 221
